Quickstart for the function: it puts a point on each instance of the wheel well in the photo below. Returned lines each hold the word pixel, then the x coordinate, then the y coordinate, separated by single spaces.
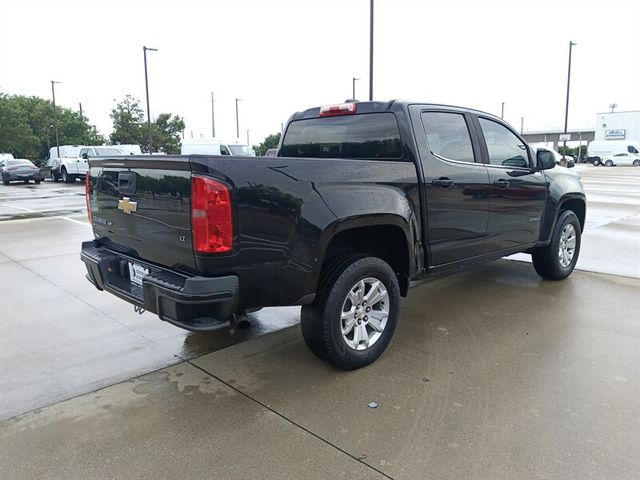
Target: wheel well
pixel 387 242
pixel 577 206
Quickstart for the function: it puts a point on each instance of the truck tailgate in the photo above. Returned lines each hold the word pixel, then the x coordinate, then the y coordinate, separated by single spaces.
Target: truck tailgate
pixel 143 204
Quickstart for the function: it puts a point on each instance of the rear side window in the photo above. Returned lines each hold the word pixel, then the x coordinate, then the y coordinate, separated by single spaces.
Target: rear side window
pixel 448 135
pixel 367 136
pixel 632 149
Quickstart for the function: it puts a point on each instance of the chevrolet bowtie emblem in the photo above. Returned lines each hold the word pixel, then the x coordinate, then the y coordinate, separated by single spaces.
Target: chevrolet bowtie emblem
pixel 127 206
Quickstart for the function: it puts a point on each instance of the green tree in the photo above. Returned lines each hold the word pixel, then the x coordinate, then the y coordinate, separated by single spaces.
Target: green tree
pixel 27 127
pixel 128 120
pixel 271 141
pixel 165 132
pixel 129 126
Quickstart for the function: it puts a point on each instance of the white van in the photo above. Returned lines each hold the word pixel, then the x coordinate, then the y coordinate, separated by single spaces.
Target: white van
pixel 214 146
pixel 599 149
pixel 129 149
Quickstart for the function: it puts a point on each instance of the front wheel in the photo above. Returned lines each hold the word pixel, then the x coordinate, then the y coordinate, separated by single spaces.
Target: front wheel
pixel 636 163
pixel 354 316
pixel 5 181
pixel 596 162
pixel 558 259
pixel 608 163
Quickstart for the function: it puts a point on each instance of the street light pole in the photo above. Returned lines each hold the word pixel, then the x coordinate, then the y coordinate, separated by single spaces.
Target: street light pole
pixel 146 86
pixel 213 119
pixel 371 51
pixel 237 121
pixel 248 143
pixel 55 116
pixel 502 112
pixel 521 125
pixel 566 110
pixel 353 88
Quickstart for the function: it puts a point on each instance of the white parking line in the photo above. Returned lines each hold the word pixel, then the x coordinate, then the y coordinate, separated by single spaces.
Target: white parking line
pixel 23 208
pixel 72 220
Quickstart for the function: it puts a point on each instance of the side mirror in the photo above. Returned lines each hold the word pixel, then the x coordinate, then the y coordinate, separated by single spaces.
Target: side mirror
pixel 85 156
pixel 545 160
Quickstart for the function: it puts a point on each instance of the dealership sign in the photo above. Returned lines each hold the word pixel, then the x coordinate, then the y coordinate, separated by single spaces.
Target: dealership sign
pixel 615 134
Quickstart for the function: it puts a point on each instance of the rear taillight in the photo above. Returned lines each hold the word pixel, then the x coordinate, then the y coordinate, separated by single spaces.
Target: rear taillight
pixel 340 109
pixel 211 216
pixel 87 195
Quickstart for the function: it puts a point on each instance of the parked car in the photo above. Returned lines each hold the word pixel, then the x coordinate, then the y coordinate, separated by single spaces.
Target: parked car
pixel 568 159
pixel 362 201
pixel 19 169
pixel 623 159
pixel 598 150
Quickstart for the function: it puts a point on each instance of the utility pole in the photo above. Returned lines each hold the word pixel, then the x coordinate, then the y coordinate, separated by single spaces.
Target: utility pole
pixel 237 121
pixel 502 112
pixel 81 117
pixel 566 110
pixel 213 119
pixel 371 51
pixel 248 144
pixel 521 125
pixel 55 115
pixel 353 88
pixel 146 86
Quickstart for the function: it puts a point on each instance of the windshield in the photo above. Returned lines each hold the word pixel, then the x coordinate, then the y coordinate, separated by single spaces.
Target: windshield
pixel 367 136
pixel 17 163
pixel 102 152
pixel 242 150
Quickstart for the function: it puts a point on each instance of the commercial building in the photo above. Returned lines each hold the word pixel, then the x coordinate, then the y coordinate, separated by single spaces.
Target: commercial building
pixel 618 125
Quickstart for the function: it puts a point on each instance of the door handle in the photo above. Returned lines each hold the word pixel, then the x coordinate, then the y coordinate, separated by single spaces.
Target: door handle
pixel 502 184
pixel 442 182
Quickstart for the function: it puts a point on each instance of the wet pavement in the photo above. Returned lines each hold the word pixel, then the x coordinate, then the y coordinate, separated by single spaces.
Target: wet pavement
pixel 524 378
pixel 59 336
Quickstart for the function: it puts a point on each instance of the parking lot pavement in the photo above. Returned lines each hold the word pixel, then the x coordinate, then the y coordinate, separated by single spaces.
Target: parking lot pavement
pixel 59 336
pixel 493 373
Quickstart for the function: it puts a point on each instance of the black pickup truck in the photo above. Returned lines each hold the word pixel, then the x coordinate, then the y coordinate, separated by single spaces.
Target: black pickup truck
pixel 363 200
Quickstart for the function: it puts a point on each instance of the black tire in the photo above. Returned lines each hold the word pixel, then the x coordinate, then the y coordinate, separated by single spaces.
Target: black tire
pixel 37 181
pixel 546 260
pixel 67 177
pixel 5 181
pixel 596 162
pixel 26 181
pixel 321 322
pixel 608 163
pixel 636 163
pixel 54 177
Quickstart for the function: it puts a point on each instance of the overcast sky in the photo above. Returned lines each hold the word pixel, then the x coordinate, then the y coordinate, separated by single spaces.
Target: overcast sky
pixel 280 56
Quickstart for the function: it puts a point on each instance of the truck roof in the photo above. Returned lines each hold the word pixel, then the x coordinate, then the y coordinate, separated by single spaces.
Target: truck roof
pixel 388 106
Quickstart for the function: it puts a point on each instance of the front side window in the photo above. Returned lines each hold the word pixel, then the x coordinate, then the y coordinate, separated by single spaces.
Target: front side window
pixel 504 147
pixel 224 150
pixel 448 135
pixel 367 136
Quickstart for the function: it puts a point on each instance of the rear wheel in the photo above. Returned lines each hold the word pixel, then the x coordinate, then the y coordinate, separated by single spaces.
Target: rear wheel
pixel 67 177
pixel 608 163
pixel 354 316
pixel 636 163
pixel 558 259
pixel 26 181
pixel 5 181
pixel 596 162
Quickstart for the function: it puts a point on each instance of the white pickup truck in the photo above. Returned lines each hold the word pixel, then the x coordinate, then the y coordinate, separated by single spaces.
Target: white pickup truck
pixel 73 160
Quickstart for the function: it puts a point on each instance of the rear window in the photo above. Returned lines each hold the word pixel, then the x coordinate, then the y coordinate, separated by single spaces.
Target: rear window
pixel 103 152
pixel 369 136
pixel 17 163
